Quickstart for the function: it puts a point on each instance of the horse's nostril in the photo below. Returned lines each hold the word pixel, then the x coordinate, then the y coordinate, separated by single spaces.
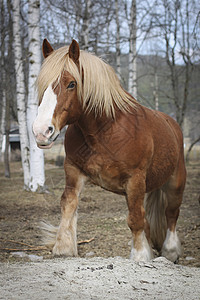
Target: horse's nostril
pixel 51 129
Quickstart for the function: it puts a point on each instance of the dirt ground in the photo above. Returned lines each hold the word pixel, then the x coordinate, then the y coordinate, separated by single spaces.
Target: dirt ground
pixel 102 217
pixel 98 278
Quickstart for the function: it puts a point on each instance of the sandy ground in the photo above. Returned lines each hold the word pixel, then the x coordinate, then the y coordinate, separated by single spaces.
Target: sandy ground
pixel 98 278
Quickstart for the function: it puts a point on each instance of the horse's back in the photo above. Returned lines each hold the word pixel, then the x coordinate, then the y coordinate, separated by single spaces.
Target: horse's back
pixel 175 128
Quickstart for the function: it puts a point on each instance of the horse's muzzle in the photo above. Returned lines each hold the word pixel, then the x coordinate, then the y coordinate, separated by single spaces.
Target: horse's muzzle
pixel 48 144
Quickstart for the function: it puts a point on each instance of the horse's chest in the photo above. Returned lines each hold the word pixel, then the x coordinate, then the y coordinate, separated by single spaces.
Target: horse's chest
pixel 105 174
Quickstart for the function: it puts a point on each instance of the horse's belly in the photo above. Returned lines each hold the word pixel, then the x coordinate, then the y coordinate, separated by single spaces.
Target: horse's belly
pixel 108 184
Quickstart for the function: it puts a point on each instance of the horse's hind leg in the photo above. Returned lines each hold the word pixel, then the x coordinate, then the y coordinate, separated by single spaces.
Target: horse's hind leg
pixel 66 240
pixel 174 191
pixel 171 248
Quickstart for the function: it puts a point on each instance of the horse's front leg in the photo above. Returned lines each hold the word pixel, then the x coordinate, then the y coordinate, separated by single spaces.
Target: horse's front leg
pixel 141 250
pixel 66 239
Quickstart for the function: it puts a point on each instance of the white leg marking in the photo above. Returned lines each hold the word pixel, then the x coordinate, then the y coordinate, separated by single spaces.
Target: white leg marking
pixel 66 240
pixel 172 247
pixel 144 253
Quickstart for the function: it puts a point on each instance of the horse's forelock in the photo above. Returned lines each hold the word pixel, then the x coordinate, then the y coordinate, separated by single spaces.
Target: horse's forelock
pixel 100 90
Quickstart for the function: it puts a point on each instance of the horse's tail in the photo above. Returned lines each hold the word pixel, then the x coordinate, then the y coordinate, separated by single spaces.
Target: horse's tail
pixel 48 234
pixel 155 204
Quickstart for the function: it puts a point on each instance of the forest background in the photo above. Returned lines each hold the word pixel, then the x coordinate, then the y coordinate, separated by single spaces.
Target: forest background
pixel 153 46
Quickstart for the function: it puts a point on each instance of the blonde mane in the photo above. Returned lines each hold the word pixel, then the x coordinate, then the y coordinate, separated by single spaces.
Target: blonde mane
pixel 99 91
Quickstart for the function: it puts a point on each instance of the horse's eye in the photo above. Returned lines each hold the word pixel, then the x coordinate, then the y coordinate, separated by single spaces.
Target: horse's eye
pixel 71 85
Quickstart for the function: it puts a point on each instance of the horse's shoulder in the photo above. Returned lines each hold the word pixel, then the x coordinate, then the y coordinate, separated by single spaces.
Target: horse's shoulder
pixel 73 138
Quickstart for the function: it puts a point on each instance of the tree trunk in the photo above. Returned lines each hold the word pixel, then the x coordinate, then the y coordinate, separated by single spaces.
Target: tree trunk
pixel 155 92
pixel 7 144
pixel 85 27
pixel 178 35
pixel 20 94
pixel 118 58
pixel 37 176
pixel 5 121
pixel 132 84
pixel 3 96
pixel 2 126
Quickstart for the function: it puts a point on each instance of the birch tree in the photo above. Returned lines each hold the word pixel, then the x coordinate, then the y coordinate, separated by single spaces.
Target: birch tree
pixel 37 177
pixel 132 82
pixel 5 116
pixel 176 25
pixel 7 131
pixel 155 92
pixel 118 60
pixel 20 93
pixel 85 26
pixel 2 125
pixel 2 61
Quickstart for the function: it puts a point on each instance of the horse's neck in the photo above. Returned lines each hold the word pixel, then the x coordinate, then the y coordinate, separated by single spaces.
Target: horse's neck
pixel 92 125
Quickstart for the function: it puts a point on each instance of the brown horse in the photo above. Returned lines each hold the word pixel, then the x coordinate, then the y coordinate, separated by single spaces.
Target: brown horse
pixel 119 144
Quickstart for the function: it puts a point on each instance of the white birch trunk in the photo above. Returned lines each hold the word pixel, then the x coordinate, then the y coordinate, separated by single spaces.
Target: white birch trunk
pixel 118 59
pixel 20 93
pixel 37 176
pixel 155 92
pixel 132 84
pixel 2 126
pixel 3 102
pixel 107 35
pixel 85 27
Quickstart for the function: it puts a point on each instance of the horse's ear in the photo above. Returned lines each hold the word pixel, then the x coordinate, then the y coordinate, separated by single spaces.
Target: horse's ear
pixel 74 51
pixel 46 48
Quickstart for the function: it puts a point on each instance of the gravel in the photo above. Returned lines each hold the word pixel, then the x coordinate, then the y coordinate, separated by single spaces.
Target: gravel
pixel 98 278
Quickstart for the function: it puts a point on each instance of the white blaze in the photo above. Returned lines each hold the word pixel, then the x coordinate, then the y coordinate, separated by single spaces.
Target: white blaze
pixel 45 110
